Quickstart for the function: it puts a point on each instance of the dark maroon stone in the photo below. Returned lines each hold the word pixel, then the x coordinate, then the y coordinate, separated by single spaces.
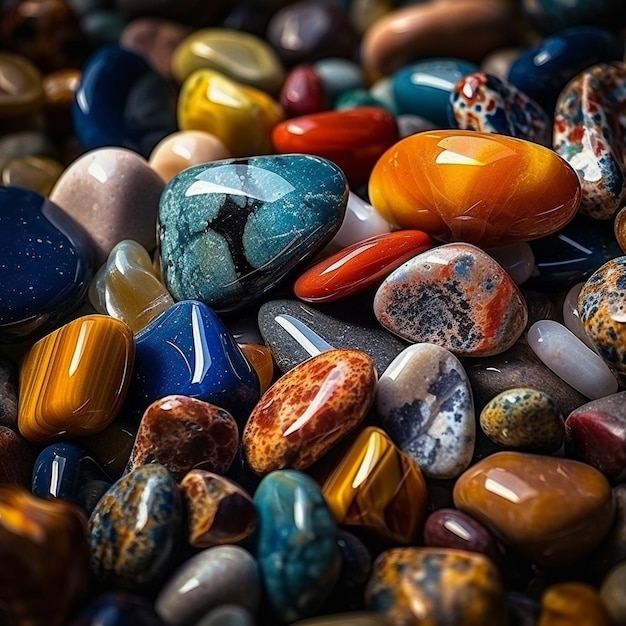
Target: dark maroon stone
pixel 596 434
pixel 303 92
pixel 450 528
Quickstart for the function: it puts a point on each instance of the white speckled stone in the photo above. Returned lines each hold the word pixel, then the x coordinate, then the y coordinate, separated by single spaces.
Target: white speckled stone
pixel 425 404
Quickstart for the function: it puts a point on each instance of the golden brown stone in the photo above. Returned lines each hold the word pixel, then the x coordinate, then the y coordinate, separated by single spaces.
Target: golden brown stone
pixel 572 604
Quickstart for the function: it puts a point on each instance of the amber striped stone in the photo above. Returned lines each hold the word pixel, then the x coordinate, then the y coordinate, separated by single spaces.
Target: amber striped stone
pixel 74 380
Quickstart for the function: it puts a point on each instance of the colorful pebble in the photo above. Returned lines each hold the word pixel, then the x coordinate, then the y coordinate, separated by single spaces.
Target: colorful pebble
pixel 455 296
pixel 441 182
pixel 308 410
pixel 303 92
pixel 572 604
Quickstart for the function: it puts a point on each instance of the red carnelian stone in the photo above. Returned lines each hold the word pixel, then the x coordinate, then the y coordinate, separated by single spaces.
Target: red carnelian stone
pixel 352 138
pixel 360 266
pixel 303 92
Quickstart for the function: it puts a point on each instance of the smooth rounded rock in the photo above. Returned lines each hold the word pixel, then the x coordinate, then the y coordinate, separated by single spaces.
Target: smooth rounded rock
pixel 424 402
pixel 32 172
pixel 17 459
pixel 516 258
pixel 612 595
pixel 215 576
pixel 554 511
pixel 455 296
pixel 303 92
pixel 572 603
pixel 571 317
pixel 22 88
pixel 441 182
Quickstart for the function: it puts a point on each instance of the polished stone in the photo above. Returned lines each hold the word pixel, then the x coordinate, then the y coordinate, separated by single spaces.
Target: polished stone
pixel 449 192
pixel 17 458
pixel 230 231
pixel 303 92
pixel 37 173
pixel 260 357
pixel 112 446
pixel 612 594
pixel 378 488
pixel 424 403
pixel 572 603
pixel 455 296
pixel 571 317
pixel 118 608
pixel 22 88
pixel 73 381
pixel 309 410
pixel 554 511
pixel 517 259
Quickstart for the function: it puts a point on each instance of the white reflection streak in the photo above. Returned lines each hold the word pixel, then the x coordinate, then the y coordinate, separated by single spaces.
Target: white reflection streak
pixel 202 357
pixel 500 490
pixel 58 465
pixel 79 349
pixel 295 328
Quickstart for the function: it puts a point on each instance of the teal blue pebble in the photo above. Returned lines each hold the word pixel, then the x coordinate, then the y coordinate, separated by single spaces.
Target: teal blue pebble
pixel 229 231
pixel 135 529
pixel 297 547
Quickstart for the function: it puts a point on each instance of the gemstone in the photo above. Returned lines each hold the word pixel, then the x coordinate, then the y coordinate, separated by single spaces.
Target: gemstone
pixel 596 434
pixel 112 446
pixel 242 56
pixel 554 511
pixel 33 589
pixel 45 260
pixel 430 585
pixel 309 410
pixel 303 92
pixel 134 529
pixel 354 138
pixel 612 595
pixel 74 380
pixel 574 602
pixel 229 231
pixel 359 267
pixel 517 259
pixel 589 134
pixel 424 403
pixel 37 173
pixel 455 296
pixel 260 357
pixel 211 101
pixel 122 191
pixel 339 75
pixel 219 511
pixel 296 545
pixel 552 15
pixel 441 182
pixel 378 488
pixel 122 101
pixel 602 310
pixel 213 577
pixel 183 433
pixel 117 608
pixel 188 351
pixel 571 317
pixel 22 89
pixel 489 104
pixel 16 459
pixel 295 332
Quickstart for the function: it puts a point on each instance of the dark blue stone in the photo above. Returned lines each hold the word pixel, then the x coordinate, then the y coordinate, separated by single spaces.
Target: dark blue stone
pixel 134 532
pixel 45 264
pixel 230 231
pixel 188 351
pixel 118 608
pixel 573 254
pixel 62 469
pixel 424 88
pixel 542 71
pixel 122 101
pixel 297 547
pixel 549 16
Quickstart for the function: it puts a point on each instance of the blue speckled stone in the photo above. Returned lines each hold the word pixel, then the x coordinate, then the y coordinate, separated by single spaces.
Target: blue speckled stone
pixel 62 469
pixel 297 547
pixel 135 529
pixel 188 351
pixel 542 71
pixel 118 608
pixel 424 88
pixel 45 264
pixel 122 101
pixel 231 230
pixel 572 255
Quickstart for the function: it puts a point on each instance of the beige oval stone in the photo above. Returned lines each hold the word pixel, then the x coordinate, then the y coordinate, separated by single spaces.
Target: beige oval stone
pixel 553 510
pixel 183 149
pixel 38 173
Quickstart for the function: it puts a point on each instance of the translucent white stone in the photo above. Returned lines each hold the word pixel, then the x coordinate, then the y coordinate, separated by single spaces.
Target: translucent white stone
pixel 571 317
pixel 570 359
pixel 517 259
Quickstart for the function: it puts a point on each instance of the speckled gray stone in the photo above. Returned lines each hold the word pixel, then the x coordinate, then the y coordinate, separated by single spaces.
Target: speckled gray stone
pixel 425 404
pixel 8 394
pixel 295 332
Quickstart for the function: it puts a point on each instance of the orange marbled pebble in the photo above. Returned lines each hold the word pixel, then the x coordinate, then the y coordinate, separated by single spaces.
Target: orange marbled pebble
pixel 308 410
pixel 476 187
pixel 74 380
pixel 572 604
pixel 379 488
pixel 261 359
pixel 552 510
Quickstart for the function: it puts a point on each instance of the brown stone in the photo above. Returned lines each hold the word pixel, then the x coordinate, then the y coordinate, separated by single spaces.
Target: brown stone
pixel 572 604
pixel 16 459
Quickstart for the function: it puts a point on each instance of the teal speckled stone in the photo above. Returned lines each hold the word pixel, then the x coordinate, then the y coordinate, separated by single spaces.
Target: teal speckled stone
pixel 134 530
pixel 231 230
pixel 297 548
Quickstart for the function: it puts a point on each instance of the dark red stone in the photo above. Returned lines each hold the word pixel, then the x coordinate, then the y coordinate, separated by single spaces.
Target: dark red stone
pixel 303 92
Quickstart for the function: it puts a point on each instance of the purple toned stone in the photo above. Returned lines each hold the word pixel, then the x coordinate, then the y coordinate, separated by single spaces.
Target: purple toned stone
pixel 450 528
pixel 596 434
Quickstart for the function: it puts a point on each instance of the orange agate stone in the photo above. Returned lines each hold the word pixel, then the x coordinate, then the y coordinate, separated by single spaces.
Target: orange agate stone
pixel 481 188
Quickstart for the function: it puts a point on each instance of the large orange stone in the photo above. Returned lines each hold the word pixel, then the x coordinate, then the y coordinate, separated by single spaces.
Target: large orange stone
pixel 552 510
pixel 480 188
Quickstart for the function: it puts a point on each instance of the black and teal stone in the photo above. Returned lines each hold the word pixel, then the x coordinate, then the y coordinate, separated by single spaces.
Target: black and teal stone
pixel 229 231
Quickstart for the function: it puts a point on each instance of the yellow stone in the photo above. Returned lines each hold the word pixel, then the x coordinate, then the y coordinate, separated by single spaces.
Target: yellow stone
pixel 74 380
pixel 242 56
pixel 261 359
pixel 242 117
pixel 379 488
